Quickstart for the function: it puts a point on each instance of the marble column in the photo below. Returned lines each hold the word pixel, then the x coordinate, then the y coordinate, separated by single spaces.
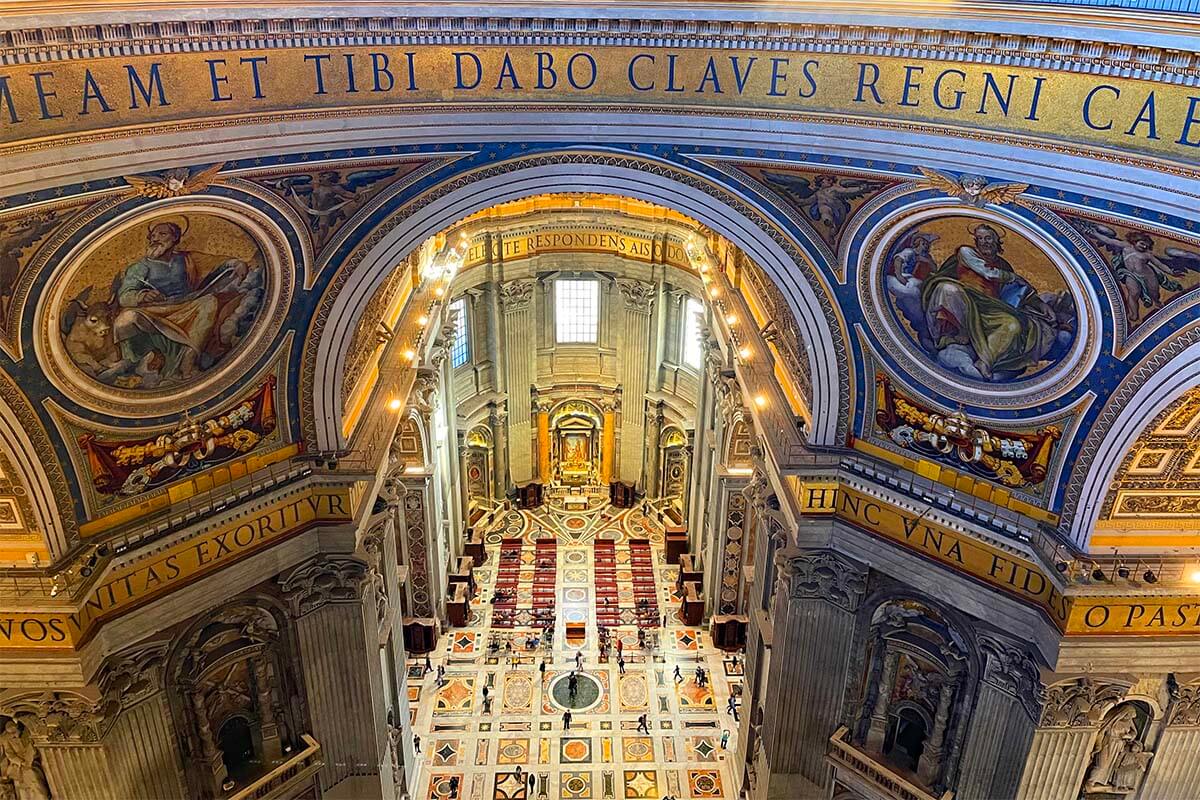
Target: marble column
pixel 877 730
pixel 517 298
pixel 325 598
pixel 1061 749
pixel 142 744
pixel 608 439
pixel 1174 774
pixel 541 411
pixel 1001 726
pixel 638 298
pixel 498 421
pixel 650 475
pixel 813 631
pixel 272 747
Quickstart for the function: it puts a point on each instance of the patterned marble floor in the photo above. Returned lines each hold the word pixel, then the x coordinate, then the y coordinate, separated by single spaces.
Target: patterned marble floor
pixel 602 756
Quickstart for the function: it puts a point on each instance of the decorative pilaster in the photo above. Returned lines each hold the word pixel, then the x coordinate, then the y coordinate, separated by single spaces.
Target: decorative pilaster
pixel 1002 722
pixel 516 298
pixel 814 624
pixel 638 299
pixel 1062 744
pixel 142 745
pixel 325 598
pixel 1174 773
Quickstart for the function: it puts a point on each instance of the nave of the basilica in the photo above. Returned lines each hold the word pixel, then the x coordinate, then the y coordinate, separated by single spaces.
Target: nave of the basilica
pixel 739 400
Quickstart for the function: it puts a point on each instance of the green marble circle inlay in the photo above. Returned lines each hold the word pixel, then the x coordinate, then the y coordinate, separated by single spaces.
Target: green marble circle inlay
pixel 587 693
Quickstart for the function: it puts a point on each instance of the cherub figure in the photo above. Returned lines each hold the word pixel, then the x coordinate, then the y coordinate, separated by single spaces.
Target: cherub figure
pixel 1140 273
pixel 826 199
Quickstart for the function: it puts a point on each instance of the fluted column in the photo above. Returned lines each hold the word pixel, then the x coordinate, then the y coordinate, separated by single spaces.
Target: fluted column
pixel 516 297
pixel 1174 774
pixel 1061 749
pixel 814 625
pixel 1001 726
pixel 141 745
pixel 638 298
pixel 325 598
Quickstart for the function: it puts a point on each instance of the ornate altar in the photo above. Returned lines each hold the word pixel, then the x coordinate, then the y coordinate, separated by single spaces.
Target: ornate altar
pixel 575 443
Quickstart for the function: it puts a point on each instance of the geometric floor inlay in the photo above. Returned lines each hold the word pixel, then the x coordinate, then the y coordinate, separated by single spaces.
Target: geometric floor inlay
pixel 604 755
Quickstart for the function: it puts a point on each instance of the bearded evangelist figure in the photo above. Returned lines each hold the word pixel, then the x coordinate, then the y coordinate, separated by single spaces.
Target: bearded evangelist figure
pixel 976 303
pixel 174 317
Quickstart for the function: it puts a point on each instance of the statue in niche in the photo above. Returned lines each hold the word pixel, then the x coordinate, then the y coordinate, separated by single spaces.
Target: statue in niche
pixel 20 765
pixel 1118 758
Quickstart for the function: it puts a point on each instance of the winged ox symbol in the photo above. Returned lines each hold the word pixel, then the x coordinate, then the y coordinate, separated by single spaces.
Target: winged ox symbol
pixel 174 183
pixel 974 190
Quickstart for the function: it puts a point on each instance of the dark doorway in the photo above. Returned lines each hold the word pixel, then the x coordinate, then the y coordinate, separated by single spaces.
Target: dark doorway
pixel 237 750
pixel 906 739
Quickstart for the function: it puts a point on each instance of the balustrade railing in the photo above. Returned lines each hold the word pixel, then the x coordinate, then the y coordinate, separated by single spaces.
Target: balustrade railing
pixel 288 779
pixel 880 776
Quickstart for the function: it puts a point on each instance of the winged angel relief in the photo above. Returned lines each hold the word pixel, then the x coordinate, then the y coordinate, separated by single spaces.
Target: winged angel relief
pixel 974 190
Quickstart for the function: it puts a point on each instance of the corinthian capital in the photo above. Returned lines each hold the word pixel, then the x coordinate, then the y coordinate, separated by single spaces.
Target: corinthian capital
pixel 1079 703
pixel 58 717
pixel 517 295
pixel 639 295
pixel 1012 669
pixel 825 575
pixel 324 579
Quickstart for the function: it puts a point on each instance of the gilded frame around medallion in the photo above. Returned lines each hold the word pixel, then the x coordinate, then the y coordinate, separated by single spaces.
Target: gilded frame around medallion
pixel 1054 381
pixel 268 320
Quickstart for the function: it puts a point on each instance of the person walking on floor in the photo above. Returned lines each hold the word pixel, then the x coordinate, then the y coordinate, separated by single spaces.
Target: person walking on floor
pixel 578 659
pixel 532 784
pixel 620 647
pixel 542 668
pixel 441 675
pixel 567 720
pixel 621 664
pixel 724 740
pixel 678 675
pixel 519 777
pixel 454 786
pixel 428 666
pixel 644 724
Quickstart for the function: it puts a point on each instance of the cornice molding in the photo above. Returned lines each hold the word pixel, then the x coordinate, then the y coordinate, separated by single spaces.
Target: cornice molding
pixel 1055 52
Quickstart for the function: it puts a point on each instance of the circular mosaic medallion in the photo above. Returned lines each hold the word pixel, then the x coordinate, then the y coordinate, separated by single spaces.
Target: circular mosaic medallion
pixel 982 309
pixel 164 307
pixel 587 693
pixel 637 750
pixel 576 784
pixel 575 523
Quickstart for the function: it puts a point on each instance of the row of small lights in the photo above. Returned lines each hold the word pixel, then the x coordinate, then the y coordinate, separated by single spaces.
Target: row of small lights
pixel 699 257
pixel 444 269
